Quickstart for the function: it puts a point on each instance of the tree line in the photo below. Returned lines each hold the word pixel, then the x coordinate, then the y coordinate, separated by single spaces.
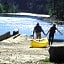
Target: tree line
pixel 56 7
pixel 33 6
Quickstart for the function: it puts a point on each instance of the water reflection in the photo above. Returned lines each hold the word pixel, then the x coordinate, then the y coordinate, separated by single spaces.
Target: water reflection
pixel 26 25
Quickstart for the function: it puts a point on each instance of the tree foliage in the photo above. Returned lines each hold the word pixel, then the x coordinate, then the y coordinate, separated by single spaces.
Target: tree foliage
pixel 56 7
pixel 1 8
pixel 33 6
pixel 6 7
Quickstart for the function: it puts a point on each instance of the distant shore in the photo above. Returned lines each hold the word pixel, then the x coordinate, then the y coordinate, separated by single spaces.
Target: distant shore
pixel 52 20
pixel 40 16
pixel 28 14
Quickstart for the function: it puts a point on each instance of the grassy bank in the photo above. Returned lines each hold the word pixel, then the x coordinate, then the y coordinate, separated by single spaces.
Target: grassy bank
pixel 45 61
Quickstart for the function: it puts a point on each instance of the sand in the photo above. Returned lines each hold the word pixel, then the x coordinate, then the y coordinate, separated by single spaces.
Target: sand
pixel 18 51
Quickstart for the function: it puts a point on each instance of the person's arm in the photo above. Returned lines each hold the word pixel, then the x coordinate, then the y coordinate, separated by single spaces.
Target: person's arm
pixel 43 32
pixel 47 33
pixel 33 34
pixel 59 31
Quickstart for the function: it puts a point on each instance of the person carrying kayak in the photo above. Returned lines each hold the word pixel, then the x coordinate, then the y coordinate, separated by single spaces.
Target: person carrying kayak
pixel 38 29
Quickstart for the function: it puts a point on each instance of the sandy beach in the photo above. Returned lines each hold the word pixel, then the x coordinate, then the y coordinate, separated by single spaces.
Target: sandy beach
pixel 17 51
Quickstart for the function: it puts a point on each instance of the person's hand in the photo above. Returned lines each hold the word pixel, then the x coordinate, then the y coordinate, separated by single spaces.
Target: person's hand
pixel 61 33
pixel 45 35
pixel 33 36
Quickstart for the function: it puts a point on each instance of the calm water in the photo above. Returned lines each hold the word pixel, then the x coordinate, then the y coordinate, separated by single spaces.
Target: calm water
pixel 25 25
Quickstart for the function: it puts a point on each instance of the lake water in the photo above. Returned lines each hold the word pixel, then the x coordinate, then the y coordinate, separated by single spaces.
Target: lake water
pixel 25 25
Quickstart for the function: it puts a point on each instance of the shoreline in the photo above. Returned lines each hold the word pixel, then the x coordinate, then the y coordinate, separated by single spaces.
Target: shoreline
pixel 38 16
pixel 53 20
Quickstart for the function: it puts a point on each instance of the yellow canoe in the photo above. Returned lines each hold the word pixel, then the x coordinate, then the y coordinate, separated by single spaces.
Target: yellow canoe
pixel 39 43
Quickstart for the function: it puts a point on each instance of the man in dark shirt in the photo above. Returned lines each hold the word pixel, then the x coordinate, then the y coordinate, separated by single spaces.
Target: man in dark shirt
pixel 52 32
pixel 38 29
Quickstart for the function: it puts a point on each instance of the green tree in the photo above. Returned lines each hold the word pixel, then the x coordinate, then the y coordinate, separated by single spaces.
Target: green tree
pixel 1 8
pixel 56 7
pixel 50 7
pixel 6 6
pixel 12 8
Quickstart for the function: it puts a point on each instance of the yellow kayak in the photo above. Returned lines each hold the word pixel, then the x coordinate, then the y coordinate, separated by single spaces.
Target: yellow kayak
pixel 39 43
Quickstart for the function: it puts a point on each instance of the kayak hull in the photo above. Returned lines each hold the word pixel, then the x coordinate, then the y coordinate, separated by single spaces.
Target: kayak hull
pixel 39 43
